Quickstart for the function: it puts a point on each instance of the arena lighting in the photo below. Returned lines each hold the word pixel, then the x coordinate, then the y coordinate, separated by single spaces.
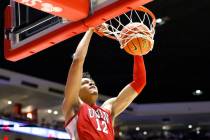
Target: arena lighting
pixel 145 132
pixel 49 111
pixel 29 115
pixel 137 128
pixel 55 112
pixel 198 132
pixel 197 92
pixel 161 21
pixel 198 128
pixel 189 126
pixel 9 102
pixel 120 133
pixel 166 127
pixel 36 131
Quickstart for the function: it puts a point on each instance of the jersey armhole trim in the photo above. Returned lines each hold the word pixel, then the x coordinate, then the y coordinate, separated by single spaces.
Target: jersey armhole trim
pixel 71 118
pixel 69 121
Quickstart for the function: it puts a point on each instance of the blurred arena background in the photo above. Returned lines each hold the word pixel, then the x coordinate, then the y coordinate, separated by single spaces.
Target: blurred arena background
pixel 175 105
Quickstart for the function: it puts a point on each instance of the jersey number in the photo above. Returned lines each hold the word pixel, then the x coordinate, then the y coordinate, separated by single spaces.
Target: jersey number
pixel 102 126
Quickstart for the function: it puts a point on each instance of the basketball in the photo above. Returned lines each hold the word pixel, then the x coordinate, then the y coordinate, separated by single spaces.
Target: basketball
pixel 138 46
pixel 132 43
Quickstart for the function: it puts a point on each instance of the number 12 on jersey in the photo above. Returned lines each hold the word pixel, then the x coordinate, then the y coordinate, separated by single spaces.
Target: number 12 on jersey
pixel 102 126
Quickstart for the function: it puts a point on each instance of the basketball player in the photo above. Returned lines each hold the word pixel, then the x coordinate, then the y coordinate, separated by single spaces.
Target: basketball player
pixel 84 120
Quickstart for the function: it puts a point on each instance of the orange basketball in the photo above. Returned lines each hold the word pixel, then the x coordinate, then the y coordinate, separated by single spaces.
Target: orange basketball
pixel 137 45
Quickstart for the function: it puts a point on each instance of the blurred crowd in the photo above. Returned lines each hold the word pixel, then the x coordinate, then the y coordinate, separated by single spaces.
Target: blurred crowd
pixel 57 125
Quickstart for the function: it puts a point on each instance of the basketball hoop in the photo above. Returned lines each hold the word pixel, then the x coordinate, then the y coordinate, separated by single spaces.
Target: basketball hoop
pixel 139 23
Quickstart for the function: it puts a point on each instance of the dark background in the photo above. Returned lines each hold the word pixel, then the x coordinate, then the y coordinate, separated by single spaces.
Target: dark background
pixel 178 65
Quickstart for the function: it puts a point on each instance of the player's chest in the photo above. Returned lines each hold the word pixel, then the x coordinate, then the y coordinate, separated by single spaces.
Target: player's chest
pixel 99 114
pixel 99 119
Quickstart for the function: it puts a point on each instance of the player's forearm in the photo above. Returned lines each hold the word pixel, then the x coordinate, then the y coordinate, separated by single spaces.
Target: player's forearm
pixel 139 74
pixel 82 48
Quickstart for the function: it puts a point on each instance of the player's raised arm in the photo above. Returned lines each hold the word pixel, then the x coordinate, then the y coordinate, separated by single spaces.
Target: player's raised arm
pixel 130 92
pixel 71 100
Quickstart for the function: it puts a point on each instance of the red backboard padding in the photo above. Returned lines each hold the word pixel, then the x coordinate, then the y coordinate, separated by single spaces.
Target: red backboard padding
pixel 70 30
pixel 73 10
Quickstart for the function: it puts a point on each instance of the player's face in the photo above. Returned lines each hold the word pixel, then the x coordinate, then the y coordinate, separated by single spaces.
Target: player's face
pixel 88 91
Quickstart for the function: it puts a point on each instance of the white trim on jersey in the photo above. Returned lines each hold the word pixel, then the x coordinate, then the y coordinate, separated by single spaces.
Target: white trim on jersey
pixel 71 128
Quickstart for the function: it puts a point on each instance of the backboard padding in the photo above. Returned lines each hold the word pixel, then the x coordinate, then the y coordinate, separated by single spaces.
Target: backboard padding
pixel 62 30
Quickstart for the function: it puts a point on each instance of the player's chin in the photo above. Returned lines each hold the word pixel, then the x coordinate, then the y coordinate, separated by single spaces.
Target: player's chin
pixel 94 92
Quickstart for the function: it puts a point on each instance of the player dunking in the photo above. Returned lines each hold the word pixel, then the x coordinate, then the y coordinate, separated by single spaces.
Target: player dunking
pixel 83 118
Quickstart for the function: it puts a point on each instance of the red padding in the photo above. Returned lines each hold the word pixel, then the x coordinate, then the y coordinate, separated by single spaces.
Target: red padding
pixel 7 17
pixel 73 10
pixel 7 25
pixel 71 29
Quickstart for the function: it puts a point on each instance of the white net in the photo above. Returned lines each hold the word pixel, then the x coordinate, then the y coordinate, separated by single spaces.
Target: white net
pixel 134 24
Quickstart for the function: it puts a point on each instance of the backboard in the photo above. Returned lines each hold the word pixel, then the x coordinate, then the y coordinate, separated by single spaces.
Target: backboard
pixel 34 25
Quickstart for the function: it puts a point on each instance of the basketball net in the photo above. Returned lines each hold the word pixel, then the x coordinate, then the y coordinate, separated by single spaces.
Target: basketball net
pixel 143 26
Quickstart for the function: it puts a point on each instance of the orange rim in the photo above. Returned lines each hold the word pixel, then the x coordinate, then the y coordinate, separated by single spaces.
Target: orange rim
pixel 144 9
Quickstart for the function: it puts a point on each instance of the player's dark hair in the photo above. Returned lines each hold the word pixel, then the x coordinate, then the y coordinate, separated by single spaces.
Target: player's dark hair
pixel 87 75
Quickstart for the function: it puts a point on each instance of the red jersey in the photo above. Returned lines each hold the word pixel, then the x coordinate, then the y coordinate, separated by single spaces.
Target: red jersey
pixel 91 123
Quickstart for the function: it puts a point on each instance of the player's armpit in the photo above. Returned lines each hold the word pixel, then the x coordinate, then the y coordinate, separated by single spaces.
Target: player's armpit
pixel 123 100
pixel 70 111
pixel 108 104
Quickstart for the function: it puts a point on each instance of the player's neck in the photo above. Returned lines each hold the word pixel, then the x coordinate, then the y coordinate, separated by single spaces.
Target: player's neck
pixel 90 103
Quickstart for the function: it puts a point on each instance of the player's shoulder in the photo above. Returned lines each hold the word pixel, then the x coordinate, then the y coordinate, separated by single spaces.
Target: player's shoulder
pixel 107 105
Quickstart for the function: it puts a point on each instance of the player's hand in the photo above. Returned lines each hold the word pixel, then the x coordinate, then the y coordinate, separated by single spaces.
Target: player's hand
pixel 101 29
pixel 91 29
